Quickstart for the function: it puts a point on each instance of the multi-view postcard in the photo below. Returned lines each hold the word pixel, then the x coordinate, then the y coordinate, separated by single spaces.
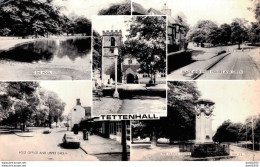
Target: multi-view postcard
pixel 209 40
pixel 129 65
pixel 52 121
pixel 130 80
pixel 49 40
pixel 206 121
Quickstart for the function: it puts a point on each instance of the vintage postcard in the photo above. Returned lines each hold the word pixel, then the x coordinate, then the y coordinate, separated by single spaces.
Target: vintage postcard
pixel 130 80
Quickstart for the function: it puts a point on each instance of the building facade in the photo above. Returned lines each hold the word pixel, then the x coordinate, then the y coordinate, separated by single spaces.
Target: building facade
pixel 79 113
pixel 175 31
pixel 111 40
pixel 130 73
pixel 113 130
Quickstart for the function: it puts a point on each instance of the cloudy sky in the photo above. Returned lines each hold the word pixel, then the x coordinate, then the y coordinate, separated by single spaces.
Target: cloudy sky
pixel 69 91
pixel 85 7
pixel 234 100
pixel 220 11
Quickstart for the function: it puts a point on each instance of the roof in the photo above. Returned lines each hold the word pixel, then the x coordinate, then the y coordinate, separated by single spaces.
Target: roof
pixel 155 12
pixel 172 20
pixel 137 8
pixel 128 56
pixel 205 101
pixel 135 68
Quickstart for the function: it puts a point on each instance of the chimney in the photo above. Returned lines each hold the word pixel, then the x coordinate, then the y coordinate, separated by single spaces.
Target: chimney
pixel 78 102
pixel 165 10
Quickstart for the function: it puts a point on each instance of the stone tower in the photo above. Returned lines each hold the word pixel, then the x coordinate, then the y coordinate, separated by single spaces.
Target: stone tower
pixel 204 109
pixel 111 40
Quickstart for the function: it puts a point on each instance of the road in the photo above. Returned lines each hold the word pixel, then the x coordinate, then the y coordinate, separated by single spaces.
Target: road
pixel 238 65
pixel 40 147
pixel 243 154
pixel 171 153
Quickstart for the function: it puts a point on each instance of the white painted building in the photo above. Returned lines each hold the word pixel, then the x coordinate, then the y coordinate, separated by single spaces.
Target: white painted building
pixel 79 113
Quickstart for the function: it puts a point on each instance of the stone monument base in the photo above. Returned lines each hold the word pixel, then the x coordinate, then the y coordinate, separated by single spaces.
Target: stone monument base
pixel 209 150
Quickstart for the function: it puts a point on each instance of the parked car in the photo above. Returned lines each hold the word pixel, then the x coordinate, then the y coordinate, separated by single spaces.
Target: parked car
pixel 46 131
pixel 71 140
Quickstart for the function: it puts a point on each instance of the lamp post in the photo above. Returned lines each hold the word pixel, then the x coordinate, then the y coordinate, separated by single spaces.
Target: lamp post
pixel 116 94
pixel 253 138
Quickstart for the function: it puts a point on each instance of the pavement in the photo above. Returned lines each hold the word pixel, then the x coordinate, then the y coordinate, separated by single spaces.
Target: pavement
pixel 171 153
pixel 190 71
pixel 233 65
pixel 144 105
pixel 34 145
pixel 17 146
pixel 99 145
pixel 134 105
pixel 239 65
pixel 158 153
pixel 106 105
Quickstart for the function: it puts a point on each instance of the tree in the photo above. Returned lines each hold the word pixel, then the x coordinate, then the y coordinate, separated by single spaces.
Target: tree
pixel 180 121
pixel 202 31
pixel 228 132
pixel 54 105
pixel 254 32
pixel 82 26
pixel 30 18
pixel 5 102
pixel 214 36
pixel 24 101
pixel 97 51
pixel 256 9
pixel 146 42
pixel 181 112
pixel 239 31
pixel 117 9
pixel 225 33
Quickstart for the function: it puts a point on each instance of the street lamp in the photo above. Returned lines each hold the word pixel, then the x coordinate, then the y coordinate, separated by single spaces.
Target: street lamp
pixel 116 94
pixel 253 138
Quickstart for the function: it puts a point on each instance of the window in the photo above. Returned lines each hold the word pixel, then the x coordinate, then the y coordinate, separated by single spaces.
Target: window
pixel 113 41
pixel 130 61
pixel 112 50
pixel 163 74
pixel 146 75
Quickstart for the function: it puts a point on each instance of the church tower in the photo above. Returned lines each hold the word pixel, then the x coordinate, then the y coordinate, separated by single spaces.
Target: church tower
pixel 111 40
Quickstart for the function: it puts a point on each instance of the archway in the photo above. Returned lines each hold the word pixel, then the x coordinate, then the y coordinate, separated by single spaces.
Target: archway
pixel 130 78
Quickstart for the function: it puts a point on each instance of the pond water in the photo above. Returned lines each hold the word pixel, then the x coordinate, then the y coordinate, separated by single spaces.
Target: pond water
pixel 65 52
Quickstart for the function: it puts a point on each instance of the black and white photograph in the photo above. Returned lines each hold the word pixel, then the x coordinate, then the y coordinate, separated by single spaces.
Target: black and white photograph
pixel 129 63
pixel 50 39
pixel 169 82
pixel 206 121
pixel 52 121
pixel 209 39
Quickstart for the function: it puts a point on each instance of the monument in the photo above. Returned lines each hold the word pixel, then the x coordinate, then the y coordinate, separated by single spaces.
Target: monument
pixel 204 109
pixel 204 145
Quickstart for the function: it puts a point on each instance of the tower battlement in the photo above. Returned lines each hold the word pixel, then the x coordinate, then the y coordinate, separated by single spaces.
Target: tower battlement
pixel 112 33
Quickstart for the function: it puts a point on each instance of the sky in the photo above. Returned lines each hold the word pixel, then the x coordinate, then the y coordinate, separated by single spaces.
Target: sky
pixel 69 91
pixel 100 23
pixel 234 100
pixel 85 7
pixel 220 11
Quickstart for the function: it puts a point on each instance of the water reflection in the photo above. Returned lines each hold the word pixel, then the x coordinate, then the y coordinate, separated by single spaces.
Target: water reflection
pixel 50 51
